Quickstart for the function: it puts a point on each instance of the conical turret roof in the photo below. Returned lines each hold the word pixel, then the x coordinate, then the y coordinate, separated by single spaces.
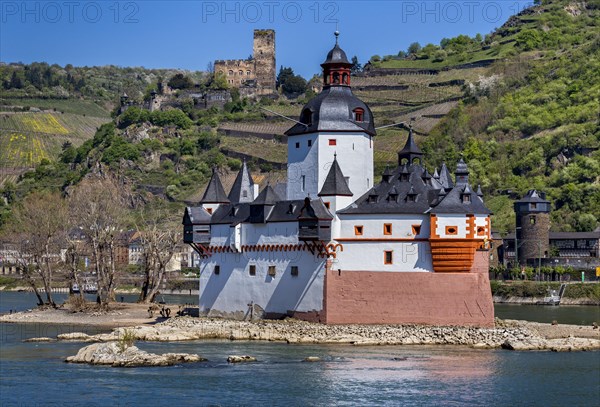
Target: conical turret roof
pixel 214 191
pixel 335 183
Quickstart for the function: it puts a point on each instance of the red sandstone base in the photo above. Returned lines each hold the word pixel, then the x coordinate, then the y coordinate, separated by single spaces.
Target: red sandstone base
pixel 363 297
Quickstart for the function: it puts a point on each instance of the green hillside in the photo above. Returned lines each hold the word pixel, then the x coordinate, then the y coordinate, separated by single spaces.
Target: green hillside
pixel 521 104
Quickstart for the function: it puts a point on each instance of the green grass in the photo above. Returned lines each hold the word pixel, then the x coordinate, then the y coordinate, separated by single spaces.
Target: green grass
pixel 452 60
pixel 269 150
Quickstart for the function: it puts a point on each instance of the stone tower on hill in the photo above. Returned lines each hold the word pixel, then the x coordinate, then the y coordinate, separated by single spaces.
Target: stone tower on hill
pixel 255 76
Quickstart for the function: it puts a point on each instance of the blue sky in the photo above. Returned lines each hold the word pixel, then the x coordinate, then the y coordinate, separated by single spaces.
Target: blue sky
pixel 189 34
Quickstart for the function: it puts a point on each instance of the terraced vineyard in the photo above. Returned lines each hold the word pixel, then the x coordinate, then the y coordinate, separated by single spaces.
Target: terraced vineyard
pixel 28 138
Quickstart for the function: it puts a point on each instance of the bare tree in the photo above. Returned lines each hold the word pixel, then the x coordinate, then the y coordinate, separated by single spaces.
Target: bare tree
pixel 159 233
pixel 39 228
pixel 98 206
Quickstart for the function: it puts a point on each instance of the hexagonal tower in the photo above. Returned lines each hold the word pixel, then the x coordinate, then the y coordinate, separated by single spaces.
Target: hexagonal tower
pixel 533 226
pixel 264 61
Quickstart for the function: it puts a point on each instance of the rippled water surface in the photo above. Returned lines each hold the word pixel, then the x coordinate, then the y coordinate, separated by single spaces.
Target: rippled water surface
pixel 34 374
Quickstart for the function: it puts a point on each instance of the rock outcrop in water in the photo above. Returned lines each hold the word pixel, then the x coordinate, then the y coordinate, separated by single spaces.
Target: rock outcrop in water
pixel 110 353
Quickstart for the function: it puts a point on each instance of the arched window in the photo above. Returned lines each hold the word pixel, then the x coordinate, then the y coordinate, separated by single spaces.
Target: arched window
pixel 358 114
pixel 336 77
pixel 248 73
pixel 345 78
pixel 241 73
pixel 230 72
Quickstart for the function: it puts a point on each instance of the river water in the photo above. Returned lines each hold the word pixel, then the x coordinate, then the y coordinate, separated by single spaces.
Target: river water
pixel 34 374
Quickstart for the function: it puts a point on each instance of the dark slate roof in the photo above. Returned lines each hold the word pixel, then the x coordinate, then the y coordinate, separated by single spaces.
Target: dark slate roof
pixel 479 191
pixel 196 215
pixel 267 197
pixel 461 167
pixel 453 202
pixel 335 184
pixel 282 211
pixel 445 177
pixel 331 110
pixel 380 198
pixel 394 197
pixel 336 56
pixel 244 176
pixel 532 196
pixel 214 191
pixel 410 148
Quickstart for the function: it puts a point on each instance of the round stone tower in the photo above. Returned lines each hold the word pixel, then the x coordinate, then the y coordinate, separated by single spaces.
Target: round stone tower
pixel 533 226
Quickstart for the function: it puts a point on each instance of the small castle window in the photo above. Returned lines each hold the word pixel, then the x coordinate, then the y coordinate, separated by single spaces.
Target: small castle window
pixel 532 220
pixel 309 143
pixel 294 271
pixel 451 230
pixel 252 270
pixel 230 72
pixel 332 142
pixel 297 145
pixel 327 205
pixel 388 257
pixel 336 78
pixel 387 228
pixel 217 270
pixel 241 73
pixel 209 210
pixel 480 231
pixel 248 73
pixel 358 230
pixel 416 229
pixel 345 78
pixel 272 271
pixel 244 194
pixel 358 114
pixel 534 206
pixel 411 198
pixel 466 198
pixel 303 183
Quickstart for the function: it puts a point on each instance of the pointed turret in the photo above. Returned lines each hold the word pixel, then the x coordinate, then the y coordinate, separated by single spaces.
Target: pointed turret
pixel 214 194
pixel 462 173
pixel 479 191
pixel 436 174
pixel 445 177
pixel 411 152
pixel 335 183
pixel 243 189
pixel 267 197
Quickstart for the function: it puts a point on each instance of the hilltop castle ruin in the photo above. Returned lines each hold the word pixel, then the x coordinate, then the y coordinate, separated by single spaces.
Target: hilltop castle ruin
pixel 256 75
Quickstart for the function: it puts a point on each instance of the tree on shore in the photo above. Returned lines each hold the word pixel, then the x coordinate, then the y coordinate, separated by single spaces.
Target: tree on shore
pixel 38 230
pixel 160 234
pixel 98 206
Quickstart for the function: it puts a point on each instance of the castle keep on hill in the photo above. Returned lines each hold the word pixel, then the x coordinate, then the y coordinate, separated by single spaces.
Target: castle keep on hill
pixel 254 76
pixel 337 248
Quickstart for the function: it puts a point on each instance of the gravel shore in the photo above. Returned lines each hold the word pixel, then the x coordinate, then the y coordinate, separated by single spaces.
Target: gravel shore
pixel 508 334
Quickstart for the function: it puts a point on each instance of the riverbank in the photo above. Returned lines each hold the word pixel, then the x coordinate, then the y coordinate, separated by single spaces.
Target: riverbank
pixel 133 320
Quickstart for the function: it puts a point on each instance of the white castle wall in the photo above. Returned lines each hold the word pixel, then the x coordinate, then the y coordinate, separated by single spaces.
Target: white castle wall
pixel 354 155
pixel 230 292
pixel 366 251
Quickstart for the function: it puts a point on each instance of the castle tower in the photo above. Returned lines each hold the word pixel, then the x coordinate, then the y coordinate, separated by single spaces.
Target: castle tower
pixel 411 153
pixel 214 196
pixel 335 121
pixel 244 189
pixel 533 226
pixel 264 61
